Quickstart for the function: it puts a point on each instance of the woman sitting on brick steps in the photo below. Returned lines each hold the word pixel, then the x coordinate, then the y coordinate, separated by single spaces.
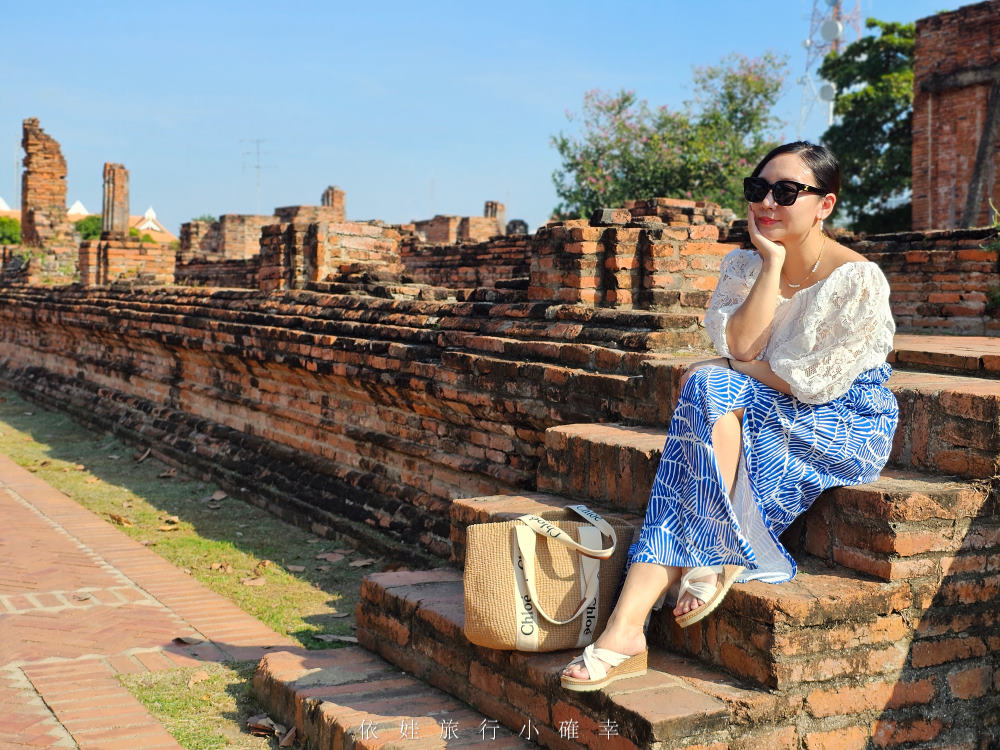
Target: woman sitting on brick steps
pixel 795 403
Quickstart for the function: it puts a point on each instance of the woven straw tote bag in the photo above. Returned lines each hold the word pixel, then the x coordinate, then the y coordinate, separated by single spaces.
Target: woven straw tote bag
pixel 543 583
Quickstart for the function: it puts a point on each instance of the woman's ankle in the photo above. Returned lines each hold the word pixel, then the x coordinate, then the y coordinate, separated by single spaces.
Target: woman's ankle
pixel 622 638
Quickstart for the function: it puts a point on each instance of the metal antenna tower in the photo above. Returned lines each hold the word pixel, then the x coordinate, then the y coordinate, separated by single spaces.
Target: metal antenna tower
pixel 257 166
pixel 828 27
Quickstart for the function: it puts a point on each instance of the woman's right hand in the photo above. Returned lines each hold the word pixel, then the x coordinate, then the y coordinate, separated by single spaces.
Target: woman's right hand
pixel 771 252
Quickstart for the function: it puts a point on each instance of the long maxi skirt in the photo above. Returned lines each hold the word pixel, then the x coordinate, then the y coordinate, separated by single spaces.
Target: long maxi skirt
pixel 792 451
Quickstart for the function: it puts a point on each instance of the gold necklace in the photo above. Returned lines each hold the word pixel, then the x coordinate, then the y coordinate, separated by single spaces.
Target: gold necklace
pixel 812 270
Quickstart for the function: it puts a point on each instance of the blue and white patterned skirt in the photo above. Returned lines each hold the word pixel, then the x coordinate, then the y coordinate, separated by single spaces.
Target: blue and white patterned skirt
pixel 792 451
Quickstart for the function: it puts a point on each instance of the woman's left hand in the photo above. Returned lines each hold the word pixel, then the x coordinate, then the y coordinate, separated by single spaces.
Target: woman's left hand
pixel 716 362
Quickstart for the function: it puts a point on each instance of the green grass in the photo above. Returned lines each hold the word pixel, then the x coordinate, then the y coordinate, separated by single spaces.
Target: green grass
pixel 189 703
pixel 221 542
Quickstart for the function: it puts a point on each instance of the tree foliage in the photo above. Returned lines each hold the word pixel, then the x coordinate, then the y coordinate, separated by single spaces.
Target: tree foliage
pixel 206 217
pixel 89 227
pixel 10 231
pixel 872 136
pixel 626 150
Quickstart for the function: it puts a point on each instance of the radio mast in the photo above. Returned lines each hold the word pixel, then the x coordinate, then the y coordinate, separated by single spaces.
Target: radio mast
pixel 830 29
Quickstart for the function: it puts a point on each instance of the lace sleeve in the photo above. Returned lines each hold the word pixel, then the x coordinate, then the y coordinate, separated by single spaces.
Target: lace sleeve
pixel 737 275
pixel 846 329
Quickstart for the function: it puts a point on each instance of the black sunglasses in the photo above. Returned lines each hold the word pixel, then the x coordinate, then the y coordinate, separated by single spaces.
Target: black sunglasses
pixel 755 189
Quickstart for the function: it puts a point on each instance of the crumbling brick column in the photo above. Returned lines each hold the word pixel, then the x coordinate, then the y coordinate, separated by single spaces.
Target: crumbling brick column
pixel 43 188
pixel 333 197
pixel 115 211
pixel 496 210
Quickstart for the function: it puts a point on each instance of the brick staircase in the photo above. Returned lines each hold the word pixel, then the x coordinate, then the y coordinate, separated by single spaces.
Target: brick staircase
pixel 887 636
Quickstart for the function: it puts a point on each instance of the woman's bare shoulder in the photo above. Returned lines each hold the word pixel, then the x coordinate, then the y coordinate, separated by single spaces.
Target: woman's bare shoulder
pixel 839 255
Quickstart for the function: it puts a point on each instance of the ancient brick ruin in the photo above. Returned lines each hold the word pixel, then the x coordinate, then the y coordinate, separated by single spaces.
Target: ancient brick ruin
pixel 333 197
pixel 115 204
pixel 348 400
pixel 43 188
pixel 399 382
pixel 956 118
pixel 451 230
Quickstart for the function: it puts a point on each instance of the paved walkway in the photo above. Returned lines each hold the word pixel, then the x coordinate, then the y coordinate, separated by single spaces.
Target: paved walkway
pixel 80 602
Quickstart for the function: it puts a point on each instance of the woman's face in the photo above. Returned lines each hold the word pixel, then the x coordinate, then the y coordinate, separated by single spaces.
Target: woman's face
pixel 779 223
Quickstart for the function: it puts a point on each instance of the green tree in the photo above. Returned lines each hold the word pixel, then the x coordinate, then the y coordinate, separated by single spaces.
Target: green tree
pixel 872 136
pixel 626 150
pixel 206 217
pixel 10 231
pixel 89 228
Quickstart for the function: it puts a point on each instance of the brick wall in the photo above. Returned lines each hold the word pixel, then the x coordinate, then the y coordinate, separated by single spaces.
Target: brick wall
pixel 198 239
pixel 478 228
pixel 106 261
pixel 352 409
pixel 660 254
pixel 956 117
pixel 293 255
pixel 238 274
pixel 453 230
pixel 940 281
pixel 233 236
pixel 440 229
pixel 463 266
pixel 54 264
pixel 43 188
pixel 308 214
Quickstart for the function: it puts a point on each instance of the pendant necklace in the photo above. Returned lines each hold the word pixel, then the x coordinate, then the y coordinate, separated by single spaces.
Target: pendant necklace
pixel 811 270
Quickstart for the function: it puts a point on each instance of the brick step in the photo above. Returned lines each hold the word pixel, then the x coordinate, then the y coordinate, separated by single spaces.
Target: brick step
pixel 312 319
pixel 416 620
pixel 621 352
pixel 900 526
pixel 350 699
pixel 374 288
pixel 774 636
pixel 948 424
pixel 977 356
pixel 827 624
pixel 588 331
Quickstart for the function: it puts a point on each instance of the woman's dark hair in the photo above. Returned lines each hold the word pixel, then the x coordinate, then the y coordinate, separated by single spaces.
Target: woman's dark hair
pixel 819 159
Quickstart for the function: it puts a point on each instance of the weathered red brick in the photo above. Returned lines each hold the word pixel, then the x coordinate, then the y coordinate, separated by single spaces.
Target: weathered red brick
pixel 848 738
pixel 929 653
pixel 888 732
pixel 972 682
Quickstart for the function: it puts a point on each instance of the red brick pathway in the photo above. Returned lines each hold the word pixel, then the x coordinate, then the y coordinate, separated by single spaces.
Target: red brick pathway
pixel 80 603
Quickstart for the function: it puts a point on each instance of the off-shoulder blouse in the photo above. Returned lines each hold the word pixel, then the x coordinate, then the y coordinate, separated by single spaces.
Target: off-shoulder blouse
pixel 822 337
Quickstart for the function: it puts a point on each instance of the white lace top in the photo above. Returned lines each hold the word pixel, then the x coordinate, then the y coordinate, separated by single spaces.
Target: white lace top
pixel 824 336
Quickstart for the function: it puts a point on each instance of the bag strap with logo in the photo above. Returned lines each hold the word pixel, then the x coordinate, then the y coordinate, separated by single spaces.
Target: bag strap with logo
pixel 591 551
pixel 550 530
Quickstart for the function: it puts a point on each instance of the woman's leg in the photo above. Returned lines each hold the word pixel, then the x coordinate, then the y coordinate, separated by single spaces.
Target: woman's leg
pixel 727 440
pixel 624 634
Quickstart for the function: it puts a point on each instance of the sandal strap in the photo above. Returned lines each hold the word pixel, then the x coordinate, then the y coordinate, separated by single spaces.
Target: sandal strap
pixel 594 660
pixel 701 590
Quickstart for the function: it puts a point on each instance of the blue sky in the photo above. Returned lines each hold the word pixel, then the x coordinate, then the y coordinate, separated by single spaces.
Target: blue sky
pixel 412 108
